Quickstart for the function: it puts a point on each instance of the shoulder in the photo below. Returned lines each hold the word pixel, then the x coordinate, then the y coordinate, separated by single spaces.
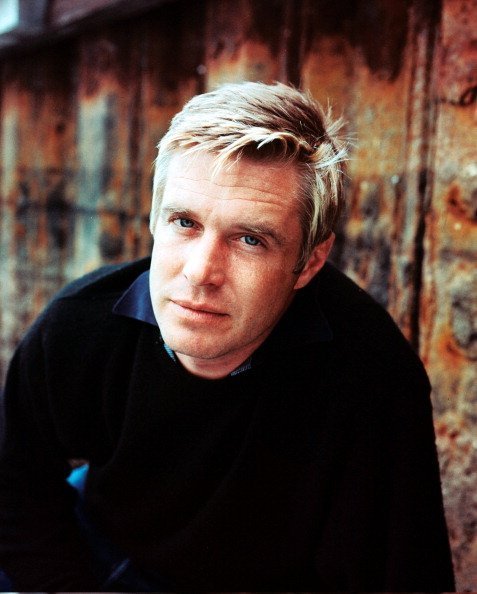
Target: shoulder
pixel 83 308
pixel 73 339
pixel 352 313
pixel 334 287
pixel 366 340
pixel 105 281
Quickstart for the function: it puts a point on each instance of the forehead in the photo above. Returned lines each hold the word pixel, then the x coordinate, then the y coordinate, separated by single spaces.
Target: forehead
pixel 196 176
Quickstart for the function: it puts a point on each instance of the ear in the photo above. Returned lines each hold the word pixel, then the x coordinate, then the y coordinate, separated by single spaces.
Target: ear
pixel 315 262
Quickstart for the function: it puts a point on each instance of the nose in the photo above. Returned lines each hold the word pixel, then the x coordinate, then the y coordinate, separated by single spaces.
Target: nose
pixel 205 262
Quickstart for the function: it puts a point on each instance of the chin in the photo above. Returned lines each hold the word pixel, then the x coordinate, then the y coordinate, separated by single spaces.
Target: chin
pixel 198 352
pixel 193 346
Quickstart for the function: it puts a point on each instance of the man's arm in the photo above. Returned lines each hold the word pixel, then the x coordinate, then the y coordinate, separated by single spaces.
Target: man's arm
pixel 386 529
pixel 418 553
pixel 40 545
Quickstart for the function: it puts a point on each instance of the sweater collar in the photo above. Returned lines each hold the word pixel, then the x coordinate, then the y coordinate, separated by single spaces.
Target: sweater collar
pixel 304 322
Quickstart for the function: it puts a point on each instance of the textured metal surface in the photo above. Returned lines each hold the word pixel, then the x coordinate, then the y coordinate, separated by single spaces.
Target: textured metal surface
pixel 80 120
pixel 449 293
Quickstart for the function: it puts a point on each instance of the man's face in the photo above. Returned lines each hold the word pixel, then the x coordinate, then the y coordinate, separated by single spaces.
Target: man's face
pixel 224 252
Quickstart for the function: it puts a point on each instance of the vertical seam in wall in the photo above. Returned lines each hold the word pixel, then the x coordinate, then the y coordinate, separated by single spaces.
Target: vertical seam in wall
pixel 291 54
pixel 427 115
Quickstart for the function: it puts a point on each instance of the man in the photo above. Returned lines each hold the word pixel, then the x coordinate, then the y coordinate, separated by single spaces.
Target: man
pixel 251 418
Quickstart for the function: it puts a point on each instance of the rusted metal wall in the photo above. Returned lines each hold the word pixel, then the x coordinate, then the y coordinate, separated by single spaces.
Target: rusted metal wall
pixel 80 119
pixel 448 318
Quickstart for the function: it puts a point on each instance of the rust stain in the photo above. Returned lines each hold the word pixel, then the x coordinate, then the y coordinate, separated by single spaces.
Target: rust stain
pixel 383 50
pixel 233 52
pixel 448 350
pixel 458 64
pixel 462 207
pixel 449 427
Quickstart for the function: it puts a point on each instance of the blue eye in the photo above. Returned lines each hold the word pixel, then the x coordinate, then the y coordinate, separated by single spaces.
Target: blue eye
pixel 185 223
pixel 251 240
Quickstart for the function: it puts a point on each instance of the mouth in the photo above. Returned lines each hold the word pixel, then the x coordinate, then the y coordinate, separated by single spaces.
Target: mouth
pixel 198 308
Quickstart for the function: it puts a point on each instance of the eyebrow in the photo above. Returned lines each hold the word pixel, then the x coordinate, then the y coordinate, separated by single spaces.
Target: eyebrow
pixel 166 211
pixel 263 230
pixel 255 228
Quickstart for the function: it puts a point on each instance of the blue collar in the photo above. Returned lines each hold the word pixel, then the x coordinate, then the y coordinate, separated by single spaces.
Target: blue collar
pixel 303 323
pixel 135 302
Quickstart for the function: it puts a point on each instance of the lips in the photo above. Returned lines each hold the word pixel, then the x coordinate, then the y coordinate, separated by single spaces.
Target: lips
pixel 199 308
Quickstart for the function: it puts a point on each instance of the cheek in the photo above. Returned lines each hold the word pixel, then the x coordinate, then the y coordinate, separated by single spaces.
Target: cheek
pixel 161 275
pixel 164 259
pixel 265 292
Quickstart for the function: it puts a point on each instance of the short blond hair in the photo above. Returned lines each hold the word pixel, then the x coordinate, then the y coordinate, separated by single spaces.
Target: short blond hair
pixel 269 123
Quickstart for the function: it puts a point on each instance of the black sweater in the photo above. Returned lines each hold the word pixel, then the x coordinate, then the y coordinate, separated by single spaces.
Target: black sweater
pixel 314 470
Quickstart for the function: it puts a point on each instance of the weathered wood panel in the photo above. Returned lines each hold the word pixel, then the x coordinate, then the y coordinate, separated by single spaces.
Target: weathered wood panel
pixel 79 122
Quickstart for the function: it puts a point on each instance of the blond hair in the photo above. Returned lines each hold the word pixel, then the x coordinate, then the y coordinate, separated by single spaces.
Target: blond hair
pixel 274 123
